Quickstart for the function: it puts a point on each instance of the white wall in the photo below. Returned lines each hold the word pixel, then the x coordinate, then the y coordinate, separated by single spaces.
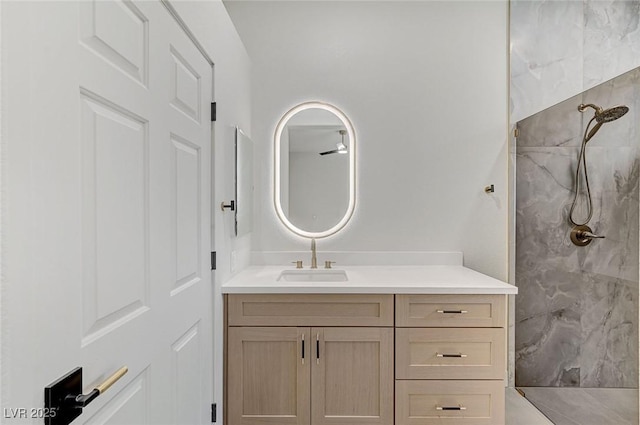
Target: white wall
pixel 425 85
pixel 3 372
pixel 212 26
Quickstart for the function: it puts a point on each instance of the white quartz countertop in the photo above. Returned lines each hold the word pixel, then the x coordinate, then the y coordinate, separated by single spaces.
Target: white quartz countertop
pixel 448 279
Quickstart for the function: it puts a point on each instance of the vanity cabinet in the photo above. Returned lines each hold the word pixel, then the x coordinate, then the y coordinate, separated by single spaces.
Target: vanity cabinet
pixel 288 363
pixel 317 359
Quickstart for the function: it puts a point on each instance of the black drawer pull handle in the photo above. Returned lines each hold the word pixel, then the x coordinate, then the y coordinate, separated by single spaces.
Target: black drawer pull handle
pixel 460 407
pixel 452 311
pixel 459 355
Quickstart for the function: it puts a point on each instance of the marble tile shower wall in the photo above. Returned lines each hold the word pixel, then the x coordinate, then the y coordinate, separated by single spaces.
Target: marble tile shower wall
pixel 577 307
pixel 562 48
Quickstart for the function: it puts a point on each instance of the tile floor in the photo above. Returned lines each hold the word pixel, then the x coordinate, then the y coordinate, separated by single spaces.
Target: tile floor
pixel 521 412
pixel 576 406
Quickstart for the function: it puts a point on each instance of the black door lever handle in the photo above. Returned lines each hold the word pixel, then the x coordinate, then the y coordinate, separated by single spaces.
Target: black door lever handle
pixel 64 401
pixel 81 400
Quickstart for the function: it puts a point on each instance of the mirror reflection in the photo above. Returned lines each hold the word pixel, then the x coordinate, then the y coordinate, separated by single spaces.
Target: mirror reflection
pixel 315 148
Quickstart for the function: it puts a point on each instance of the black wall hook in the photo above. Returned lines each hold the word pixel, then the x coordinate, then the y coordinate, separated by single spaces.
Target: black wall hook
pixel 231 206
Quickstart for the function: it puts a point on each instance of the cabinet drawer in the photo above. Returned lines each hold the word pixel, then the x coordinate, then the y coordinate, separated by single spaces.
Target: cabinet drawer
pixel 310 310
pixel 450 402
pixel 453 311
pixel 446 353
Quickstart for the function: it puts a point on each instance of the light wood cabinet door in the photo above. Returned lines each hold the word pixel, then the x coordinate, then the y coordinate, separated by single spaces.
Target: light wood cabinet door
pixel 268 376
pixel 352 376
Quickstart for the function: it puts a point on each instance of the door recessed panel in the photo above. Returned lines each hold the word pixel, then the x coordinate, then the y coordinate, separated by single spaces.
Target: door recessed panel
pixel 114 150
pixel 358 363
pixel 187 370
pixel 187 212
pixel 262 393
pixel 117 31
pixel 129 406
pixel 185 86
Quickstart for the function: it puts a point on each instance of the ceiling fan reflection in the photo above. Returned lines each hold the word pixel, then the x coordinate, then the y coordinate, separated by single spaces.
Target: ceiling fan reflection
pixel 340 146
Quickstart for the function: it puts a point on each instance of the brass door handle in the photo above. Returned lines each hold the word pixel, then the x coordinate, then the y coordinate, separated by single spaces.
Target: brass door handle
pixel 82 400
pixel 112 379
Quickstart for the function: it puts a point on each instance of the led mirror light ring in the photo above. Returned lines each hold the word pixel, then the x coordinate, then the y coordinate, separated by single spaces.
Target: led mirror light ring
pixel 352 168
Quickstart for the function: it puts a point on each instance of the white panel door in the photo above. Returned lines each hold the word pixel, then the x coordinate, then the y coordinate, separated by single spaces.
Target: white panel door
pixel 106 224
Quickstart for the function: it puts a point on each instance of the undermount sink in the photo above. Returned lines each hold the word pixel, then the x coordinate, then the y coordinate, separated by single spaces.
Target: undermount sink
pixel 313 276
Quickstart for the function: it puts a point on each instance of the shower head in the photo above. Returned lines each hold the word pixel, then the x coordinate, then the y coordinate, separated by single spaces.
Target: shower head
pixel 605 115
pixel 611 114
pixel 602 116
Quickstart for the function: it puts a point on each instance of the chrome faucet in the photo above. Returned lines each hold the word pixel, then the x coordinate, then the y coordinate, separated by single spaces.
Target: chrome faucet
pixel 314 259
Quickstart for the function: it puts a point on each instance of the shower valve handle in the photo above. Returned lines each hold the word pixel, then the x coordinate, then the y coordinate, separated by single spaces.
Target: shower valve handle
pixel 582 235
pixel 590 235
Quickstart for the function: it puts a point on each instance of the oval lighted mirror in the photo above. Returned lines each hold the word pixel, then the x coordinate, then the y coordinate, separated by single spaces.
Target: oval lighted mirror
pixel 315 148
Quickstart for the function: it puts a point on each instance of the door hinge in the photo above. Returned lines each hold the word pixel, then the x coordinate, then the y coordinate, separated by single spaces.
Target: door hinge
pixel 213 111
pixel 213 260
pixel 516 132
pixel 214 413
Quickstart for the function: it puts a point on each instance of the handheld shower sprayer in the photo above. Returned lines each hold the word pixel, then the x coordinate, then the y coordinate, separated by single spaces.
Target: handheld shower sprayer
pixel 581 233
